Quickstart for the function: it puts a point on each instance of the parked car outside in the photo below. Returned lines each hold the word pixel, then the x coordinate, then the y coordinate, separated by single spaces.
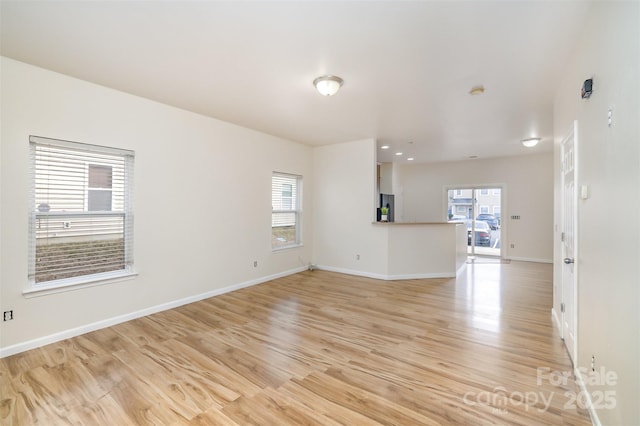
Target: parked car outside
pixel 457 218
pixel 490 219
pixel 482 231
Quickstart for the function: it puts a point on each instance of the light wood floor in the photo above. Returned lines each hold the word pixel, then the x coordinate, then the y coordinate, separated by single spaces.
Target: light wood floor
pixel 314 348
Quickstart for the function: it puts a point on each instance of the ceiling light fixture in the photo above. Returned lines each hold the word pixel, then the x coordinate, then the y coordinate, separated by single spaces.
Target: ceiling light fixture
pixel 410 159
pixel 530 142
pixel 384 147
pixel 328 85
pixel 398 153
pixel 476 90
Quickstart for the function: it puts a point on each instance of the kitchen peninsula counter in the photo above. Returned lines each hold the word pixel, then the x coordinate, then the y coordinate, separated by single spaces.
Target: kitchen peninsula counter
pixel 424 249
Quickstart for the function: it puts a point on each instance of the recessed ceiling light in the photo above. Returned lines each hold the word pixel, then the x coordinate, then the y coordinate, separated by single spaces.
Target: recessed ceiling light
pixel 384 147
pixel 530 142
pixel 398 153
pixel 476 90
pixel 410 159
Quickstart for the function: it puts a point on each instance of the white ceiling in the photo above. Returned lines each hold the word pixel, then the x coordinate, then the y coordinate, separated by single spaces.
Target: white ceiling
pixel 407 66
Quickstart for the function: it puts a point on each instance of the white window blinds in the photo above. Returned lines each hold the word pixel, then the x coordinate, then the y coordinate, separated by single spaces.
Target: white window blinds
pixel 285 210
pixel 81 219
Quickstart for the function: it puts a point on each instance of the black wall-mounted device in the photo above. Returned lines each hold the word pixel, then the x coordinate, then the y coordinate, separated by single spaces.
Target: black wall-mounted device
pixel 587 88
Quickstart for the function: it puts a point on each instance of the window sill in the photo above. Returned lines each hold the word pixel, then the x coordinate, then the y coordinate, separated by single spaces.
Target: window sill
pixel 77 283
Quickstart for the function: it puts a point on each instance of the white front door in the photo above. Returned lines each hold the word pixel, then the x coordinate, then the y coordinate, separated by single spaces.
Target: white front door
pixel 569 242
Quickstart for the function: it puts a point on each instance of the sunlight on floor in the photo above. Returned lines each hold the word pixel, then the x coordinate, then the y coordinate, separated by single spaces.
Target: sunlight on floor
pixel 484 295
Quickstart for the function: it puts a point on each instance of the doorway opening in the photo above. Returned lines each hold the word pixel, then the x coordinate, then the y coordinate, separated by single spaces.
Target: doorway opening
pixel 480 208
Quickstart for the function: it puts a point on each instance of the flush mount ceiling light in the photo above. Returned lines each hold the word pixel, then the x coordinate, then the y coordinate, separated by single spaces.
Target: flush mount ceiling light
pixel 384 147
pixel 476 90
pixel 328 85
pixel 530 142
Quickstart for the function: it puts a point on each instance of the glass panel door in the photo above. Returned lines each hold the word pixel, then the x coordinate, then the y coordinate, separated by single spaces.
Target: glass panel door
pixel 480 210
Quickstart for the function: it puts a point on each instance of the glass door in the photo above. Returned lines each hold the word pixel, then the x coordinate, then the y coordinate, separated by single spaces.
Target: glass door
pixel 480 210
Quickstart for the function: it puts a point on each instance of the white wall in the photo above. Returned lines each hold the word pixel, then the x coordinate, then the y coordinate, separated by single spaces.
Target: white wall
pixel 609 232
pixel 386 178
pixel 412 253
pixel 528 183
pixel 204 183
pixel 344 209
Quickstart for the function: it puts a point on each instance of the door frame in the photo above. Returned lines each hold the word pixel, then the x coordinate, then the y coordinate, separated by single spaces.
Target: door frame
pixel 573 291
pixel 503 209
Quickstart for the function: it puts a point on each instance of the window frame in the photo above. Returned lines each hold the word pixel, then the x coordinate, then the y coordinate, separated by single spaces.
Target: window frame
pixel 42 211
pixel 287 196
pixel 295 203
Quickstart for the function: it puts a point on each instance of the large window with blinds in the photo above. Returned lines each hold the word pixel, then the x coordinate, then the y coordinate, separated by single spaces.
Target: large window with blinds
pixel 81 216
pixel 286 210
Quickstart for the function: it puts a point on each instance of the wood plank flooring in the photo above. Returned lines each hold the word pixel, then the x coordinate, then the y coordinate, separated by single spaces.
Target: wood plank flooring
pixel 314 348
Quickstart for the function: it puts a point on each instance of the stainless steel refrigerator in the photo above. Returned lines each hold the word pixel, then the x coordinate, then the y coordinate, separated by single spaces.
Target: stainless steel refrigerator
pixel 386 200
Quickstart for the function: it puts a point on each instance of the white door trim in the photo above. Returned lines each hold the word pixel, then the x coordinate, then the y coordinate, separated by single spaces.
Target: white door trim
pixel 570 290
pixel 503 208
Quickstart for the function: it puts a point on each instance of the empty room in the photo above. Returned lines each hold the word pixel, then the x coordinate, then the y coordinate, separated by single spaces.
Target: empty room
pixel 319 212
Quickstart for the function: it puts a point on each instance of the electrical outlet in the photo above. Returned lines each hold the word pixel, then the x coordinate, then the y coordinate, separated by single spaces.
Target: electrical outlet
pixel 512 245
pixel 593 363
pixel 255 263
pixel 66 225
pixel 7 315
pixel 357 257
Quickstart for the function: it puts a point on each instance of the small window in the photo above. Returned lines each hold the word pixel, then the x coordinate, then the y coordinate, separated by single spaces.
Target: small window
pixel 285 210
pixel 458 191
pixel 496 210
pixel 484 209
pixel 484 191
pixel 496 191
pixel 81 219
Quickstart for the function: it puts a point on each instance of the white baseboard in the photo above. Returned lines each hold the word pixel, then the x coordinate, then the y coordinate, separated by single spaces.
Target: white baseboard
pixel 350 272
pixel 421 276
pixel 595 420
pixel 386 277
pixel 530 259
pixel 66 334
pixel 579 380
